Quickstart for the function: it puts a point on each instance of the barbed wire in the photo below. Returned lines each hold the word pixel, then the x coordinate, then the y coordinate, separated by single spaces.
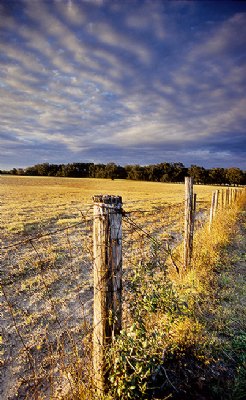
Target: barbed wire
pixel 64 284
pixel 47 234
pixel 48 290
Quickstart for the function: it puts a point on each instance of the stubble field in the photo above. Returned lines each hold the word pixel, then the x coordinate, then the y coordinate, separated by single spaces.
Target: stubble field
pixel 46 268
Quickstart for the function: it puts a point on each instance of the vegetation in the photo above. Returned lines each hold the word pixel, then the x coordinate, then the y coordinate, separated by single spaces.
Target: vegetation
pixel 33 204
pixel 184 333
pixel 183 338
pixel 163 172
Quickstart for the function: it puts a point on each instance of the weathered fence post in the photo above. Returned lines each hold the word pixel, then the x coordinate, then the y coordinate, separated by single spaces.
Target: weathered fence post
pixel 188 225
pixel 216 202
pixel 193 217
pixel 107 248
pixel 222 199
pixel 230 196
pixel 227 197
pixel 211 216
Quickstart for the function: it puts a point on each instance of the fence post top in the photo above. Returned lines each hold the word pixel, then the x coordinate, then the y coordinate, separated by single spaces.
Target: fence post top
pixel 107 199
pixel 189 181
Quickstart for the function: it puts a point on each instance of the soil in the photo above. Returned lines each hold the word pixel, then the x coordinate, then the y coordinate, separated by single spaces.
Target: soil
pixel 47 307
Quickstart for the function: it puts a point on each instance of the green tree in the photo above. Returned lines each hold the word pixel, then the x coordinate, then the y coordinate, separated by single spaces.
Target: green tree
pixel 31 171
pixel 198 173
pixel 136 172
pixel 111 171
pixel 217 176
pixel 179 172
pixel 234 176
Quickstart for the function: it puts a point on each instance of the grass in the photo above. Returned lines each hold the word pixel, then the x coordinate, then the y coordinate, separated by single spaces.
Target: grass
pixel 189 338
pixel 169 329
pixel 34 202
pixel 196 341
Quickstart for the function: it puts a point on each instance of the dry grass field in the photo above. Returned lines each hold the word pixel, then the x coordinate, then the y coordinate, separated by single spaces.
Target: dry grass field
pixel 46 269
pixel 30 204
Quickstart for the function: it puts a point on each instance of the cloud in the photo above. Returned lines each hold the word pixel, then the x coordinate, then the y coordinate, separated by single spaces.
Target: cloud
pixel 227 39
pixel 107 77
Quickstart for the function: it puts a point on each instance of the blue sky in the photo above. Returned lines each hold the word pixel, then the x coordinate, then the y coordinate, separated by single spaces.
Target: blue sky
pixel 125 81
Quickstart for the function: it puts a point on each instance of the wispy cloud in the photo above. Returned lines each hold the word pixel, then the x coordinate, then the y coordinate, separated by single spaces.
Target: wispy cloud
pixel 84 79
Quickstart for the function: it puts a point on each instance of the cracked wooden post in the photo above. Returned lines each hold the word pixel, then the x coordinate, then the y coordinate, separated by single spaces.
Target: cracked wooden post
pixel 107 249
pixel 188 221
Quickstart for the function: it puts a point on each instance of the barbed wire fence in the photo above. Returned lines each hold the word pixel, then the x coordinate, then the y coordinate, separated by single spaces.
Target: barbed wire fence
pixel 48 293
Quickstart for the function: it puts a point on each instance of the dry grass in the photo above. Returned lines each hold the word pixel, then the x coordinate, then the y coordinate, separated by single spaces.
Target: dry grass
pixel 47 289
pixel 29 203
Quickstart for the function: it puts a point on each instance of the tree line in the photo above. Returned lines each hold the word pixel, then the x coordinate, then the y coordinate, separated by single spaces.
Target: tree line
pixel 163 172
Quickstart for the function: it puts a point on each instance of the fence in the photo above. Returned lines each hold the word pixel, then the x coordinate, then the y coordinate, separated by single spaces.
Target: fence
pixel 48 289
pixel 222 199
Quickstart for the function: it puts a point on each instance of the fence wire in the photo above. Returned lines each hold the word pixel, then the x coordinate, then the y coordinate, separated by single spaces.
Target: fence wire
pixel 47 295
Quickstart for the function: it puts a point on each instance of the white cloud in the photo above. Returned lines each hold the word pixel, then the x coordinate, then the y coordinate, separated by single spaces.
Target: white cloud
pixel 226 38
pixel 82 80
pixel 121 41
pixel 71 12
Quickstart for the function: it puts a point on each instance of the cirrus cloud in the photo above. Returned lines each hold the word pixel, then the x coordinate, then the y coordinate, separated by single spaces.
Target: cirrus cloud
pixel 124 82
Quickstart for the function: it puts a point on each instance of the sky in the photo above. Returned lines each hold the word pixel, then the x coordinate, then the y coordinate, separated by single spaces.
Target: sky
pixel 124 81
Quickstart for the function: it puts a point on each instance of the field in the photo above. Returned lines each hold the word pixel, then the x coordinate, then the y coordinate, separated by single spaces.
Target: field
pixel 47 260
pixel 30 203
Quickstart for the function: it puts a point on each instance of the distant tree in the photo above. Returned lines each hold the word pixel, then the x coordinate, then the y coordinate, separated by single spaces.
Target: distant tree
pixel 70 171
pixel 54 169
pixel 111 171
pixel 234 176
pixel 166 172
pixel 244 178
pixel 217 176
pixel 154 172
pixel 121 172
pixel 198 173
pixel 136 172
pixel 165 178
pixel 163 172
pixel 92 168
pixel 84 169
pixel 42 169
pixel 99 171
pixel 13 171
pixel 20 171
pixel 31 171
pixel 179 172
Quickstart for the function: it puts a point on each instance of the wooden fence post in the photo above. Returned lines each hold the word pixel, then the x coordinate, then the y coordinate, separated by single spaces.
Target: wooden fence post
pixel 193 220
pixel 222 199
pixel 211 216
pixel 107 249
pixel 216 202
pixel 227 197
pixel 230 196
pixel 188 230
